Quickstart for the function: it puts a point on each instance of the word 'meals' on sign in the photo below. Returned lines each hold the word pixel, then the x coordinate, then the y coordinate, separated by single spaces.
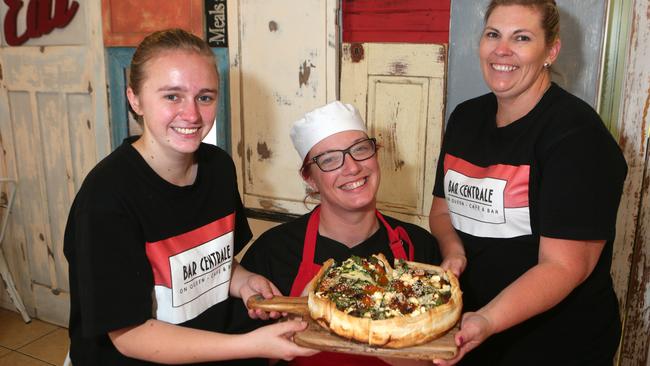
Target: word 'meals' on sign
pixel 215 23
pixel 39 18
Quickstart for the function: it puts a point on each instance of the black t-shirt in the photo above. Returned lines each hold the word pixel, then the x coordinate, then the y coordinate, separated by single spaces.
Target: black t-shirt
pixel 277 254
pixel 139 247
pixel 556 172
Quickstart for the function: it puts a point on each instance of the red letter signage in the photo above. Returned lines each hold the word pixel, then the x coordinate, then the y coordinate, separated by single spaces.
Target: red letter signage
pixel 39 18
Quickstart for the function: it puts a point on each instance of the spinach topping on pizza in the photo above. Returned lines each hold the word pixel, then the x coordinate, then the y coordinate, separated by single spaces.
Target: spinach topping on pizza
pixel 365 288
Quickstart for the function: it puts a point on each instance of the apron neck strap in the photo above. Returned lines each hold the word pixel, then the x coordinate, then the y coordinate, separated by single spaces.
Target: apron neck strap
pixel 309 246
pixel 397 239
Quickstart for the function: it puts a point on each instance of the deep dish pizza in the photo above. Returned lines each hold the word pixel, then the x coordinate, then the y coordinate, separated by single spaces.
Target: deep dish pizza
pixel 366 300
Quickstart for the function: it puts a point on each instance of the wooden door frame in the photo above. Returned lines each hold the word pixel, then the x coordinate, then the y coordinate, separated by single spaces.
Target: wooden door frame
pixel 624 105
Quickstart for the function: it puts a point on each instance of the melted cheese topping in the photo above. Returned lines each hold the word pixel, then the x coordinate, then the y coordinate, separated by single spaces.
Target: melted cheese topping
pixel 359 287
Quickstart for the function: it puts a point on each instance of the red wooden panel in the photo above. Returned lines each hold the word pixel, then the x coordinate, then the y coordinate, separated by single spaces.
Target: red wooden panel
pixel 396 5
pixel 404 21
pixel 127 22
pixel 428 21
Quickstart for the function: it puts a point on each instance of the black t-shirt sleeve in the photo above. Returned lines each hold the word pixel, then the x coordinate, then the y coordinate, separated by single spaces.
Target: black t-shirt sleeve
pixel 581 184
pixel 114 278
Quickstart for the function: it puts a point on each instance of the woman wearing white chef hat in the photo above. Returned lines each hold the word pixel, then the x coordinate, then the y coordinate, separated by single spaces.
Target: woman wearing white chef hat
pixel 340 166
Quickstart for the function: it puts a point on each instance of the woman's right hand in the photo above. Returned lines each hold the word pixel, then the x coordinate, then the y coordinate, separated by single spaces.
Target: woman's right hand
pixel 455 263
pixel 276 341
pixel 474 329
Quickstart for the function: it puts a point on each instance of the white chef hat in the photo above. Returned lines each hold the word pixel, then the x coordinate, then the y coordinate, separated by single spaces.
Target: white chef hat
pixel 323 122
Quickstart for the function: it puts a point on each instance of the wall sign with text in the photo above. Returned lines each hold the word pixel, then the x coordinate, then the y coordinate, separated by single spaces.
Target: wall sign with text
pixel 216 29
pixel 39 17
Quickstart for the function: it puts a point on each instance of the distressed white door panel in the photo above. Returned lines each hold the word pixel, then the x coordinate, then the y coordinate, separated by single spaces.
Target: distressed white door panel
pixel 14 244
pixel 54 130
pixel 399 88
pixel 282 65
pixel 60 69
pixel 82 137
pixel 435 131
pixel 57 311
pixel 57 171
pixel 397 113
pixel 29 110
pixel 406 59
pixel 30 185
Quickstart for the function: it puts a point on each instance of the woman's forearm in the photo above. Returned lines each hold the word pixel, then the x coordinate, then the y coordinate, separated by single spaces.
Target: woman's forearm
pixel 240 276
pixel 161 342
pixel 563 266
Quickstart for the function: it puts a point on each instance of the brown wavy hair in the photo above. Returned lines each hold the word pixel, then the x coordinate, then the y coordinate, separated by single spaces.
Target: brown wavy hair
pixel 547 8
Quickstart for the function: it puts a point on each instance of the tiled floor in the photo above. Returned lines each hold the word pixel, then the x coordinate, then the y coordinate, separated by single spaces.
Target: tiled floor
pixel 34 344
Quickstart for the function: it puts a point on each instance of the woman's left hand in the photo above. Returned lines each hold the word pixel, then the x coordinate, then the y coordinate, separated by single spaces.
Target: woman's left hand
pixel 455 263
pixel 244 284
pixel 474 329
pixel 256 284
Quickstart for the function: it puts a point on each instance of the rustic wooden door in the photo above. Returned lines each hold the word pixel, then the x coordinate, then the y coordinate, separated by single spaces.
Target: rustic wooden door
pixel 283 57
pixel 54 128
pixel 399 90
pixel 630 37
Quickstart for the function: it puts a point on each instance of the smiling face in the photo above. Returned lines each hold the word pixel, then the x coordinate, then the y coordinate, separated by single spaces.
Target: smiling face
pixel 177 100
pixel 353 186
pixel 513 51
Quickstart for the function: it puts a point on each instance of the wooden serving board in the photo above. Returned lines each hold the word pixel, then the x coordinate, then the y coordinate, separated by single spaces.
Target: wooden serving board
pixel 322 339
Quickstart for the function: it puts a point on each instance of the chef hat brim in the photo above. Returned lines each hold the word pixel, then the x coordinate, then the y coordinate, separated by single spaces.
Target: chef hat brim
pixel 323 122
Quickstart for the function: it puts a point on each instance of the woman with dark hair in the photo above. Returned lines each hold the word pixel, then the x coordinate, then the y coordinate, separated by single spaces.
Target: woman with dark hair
pixel 527 190
pixel 340 165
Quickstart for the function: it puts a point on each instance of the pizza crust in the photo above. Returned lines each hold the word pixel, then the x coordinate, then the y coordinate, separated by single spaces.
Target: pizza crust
pixel 396 332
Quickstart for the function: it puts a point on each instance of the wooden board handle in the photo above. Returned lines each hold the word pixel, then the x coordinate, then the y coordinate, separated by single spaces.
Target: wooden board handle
pixel 288 304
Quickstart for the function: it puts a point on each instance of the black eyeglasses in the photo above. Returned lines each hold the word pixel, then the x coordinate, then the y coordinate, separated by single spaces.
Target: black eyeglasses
pixel 334 159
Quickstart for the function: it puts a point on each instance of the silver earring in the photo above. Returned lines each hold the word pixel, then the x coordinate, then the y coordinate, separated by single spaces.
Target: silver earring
pixel 547 65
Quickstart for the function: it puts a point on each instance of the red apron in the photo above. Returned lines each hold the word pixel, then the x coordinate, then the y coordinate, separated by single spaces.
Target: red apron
pixel 308 269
